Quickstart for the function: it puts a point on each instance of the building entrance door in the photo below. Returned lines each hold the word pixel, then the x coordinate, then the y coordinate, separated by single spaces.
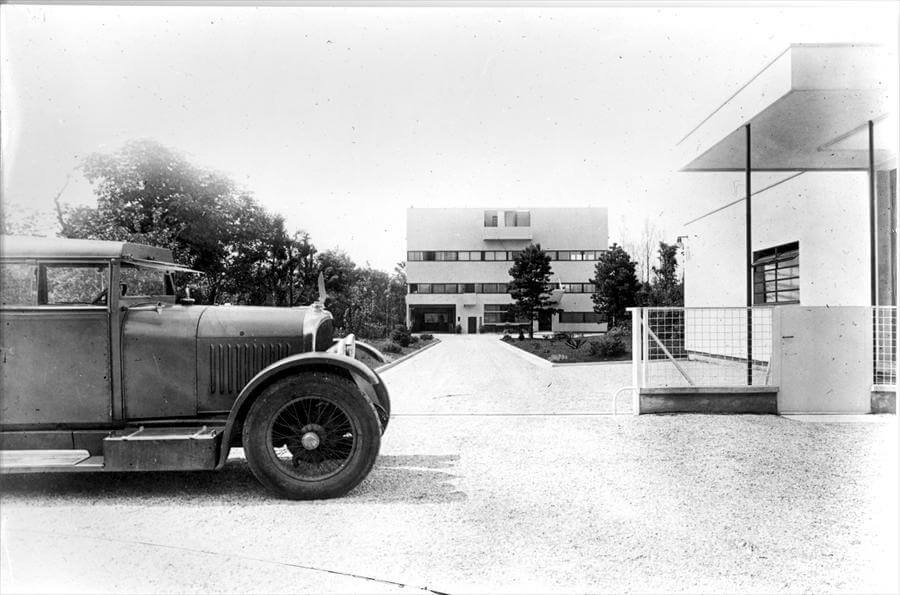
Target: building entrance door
pixel 545 321
pixel 473 325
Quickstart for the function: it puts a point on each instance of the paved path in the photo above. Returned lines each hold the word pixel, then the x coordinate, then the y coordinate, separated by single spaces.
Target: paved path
pixel 479 374
pixel 496 475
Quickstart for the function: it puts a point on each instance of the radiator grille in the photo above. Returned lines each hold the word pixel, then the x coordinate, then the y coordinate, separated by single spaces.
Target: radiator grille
pixel 232 365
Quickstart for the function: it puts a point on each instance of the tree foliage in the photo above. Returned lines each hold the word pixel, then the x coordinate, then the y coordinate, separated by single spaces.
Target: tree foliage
pixel 530 278
pixel 666 288
pixel 616 285
pixel 148 193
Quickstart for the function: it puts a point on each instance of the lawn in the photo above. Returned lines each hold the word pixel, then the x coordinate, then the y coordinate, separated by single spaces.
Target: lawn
pixel 574 350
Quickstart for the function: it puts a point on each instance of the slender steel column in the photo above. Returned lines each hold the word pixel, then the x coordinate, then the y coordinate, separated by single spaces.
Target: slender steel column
pixel 873 273
pixel 749 262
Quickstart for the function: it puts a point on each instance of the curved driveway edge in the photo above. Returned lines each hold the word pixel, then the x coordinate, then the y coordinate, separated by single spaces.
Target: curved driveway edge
pixel 400 360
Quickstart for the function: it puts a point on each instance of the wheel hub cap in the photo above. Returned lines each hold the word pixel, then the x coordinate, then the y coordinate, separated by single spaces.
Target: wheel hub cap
pixel 310 441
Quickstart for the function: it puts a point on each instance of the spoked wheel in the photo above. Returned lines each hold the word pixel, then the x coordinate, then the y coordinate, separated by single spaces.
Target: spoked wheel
pixel 313 435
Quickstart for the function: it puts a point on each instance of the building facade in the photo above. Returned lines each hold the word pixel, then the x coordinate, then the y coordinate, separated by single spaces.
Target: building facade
pixel 811 229
pixel 458 262
pixel 814 135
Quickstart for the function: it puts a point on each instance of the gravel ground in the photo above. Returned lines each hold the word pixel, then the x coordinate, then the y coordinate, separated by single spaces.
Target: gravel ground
pixel 496 475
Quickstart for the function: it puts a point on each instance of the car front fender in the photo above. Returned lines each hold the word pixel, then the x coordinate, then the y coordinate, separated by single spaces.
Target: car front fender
pixel 365 378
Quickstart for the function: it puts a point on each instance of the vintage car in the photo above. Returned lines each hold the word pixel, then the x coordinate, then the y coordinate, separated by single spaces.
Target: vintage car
pixel 102 369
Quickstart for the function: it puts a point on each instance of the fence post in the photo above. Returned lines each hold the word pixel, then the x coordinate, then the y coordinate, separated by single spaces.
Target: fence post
pixel 645 344
pixel 636 359
pixel 775 357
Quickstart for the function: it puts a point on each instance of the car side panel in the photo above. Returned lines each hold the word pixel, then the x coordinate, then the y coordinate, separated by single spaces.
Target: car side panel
pixel 159 361
pixel 55 366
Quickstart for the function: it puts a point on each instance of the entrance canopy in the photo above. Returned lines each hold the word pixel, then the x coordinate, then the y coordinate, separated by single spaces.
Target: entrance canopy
pixel 808 109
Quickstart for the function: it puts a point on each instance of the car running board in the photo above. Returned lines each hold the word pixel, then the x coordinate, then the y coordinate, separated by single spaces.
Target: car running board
pixel 132 449
pixel 48 461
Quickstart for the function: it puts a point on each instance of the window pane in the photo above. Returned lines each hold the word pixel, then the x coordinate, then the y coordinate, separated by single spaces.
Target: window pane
pixel 468 288
pixel 479 288
pixel 136 281
pixel 428 255
pixel 488 255
pixel 475 255
pixel 18 284
pixel 424 287
pixel 789 296
pixel 564 254
pixel 463 255
pixel 788 272
pixel 71 284
pixel 551 254
pixel 523 219
pixel 414 256
pixel 490 218
pixel 413 288
pixel 509 218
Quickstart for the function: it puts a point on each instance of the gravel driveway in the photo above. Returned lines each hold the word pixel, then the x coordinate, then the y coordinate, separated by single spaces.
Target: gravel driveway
pixel 497 474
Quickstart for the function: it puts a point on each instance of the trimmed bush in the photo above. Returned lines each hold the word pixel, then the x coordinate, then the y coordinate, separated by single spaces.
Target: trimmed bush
pixel 426 336
pixel 389 347
pixel 609 345
pixel 401 335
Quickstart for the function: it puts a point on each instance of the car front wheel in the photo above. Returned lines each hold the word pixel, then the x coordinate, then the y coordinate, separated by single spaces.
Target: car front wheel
pixel 312 435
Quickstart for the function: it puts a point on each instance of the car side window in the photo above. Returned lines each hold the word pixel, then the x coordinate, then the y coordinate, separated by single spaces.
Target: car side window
pixel 75 284
pixel 141 282
pixel 18 284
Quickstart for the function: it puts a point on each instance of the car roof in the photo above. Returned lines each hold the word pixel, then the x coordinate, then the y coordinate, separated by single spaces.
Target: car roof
pixel 35 247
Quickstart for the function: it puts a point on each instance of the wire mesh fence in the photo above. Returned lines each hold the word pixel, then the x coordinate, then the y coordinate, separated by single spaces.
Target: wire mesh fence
pixel 884 338
pixel 705 346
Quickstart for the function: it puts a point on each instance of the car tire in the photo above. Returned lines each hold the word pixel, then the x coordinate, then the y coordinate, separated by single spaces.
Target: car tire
pixel 311 436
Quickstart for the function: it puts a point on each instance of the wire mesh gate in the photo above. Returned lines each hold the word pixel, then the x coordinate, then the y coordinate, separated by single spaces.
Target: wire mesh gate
pixel 702 347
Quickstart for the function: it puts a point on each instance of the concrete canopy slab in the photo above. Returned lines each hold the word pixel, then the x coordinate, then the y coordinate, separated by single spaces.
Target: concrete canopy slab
pixel 802 108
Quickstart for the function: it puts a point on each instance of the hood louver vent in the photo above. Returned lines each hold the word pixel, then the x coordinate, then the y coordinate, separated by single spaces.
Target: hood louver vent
pixel 232 365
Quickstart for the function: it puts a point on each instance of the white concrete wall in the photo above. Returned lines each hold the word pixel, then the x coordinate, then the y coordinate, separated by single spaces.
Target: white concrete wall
pixel 825 212
pixel 462 229
pixel 825 360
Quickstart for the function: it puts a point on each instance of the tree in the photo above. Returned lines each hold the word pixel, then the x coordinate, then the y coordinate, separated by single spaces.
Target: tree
pixel 530 278
pixel 148 193
pixel 666 288
pixel 340 274
pixel 616 285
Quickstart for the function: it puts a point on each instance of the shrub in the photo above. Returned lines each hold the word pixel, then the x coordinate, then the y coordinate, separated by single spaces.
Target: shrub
pixel 413 339
pixel 521 335
pixel 389 347
pixel 575 342
pixel 609 345
pixel 458 329
pixel 560 336
pixel 426 336
pixel 401 335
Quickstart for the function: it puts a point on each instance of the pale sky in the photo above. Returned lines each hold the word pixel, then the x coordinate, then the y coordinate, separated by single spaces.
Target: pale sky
pixel 340 118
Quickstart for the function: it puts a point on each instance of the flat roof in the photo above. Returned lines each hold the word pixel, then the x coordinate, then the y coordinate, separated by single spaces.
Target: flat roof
pixel 804 108
pixel 34 247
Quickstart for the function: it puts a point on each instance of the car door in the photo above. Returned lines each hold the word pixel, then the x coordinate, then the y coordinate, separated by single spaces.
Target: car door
pixel 55 345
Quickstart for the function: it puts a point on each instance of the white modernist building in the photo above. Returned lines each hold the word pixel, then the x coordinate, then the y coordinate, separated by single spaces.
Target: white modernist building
pixel 458 263
pixel 812 229
pixel 816 131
